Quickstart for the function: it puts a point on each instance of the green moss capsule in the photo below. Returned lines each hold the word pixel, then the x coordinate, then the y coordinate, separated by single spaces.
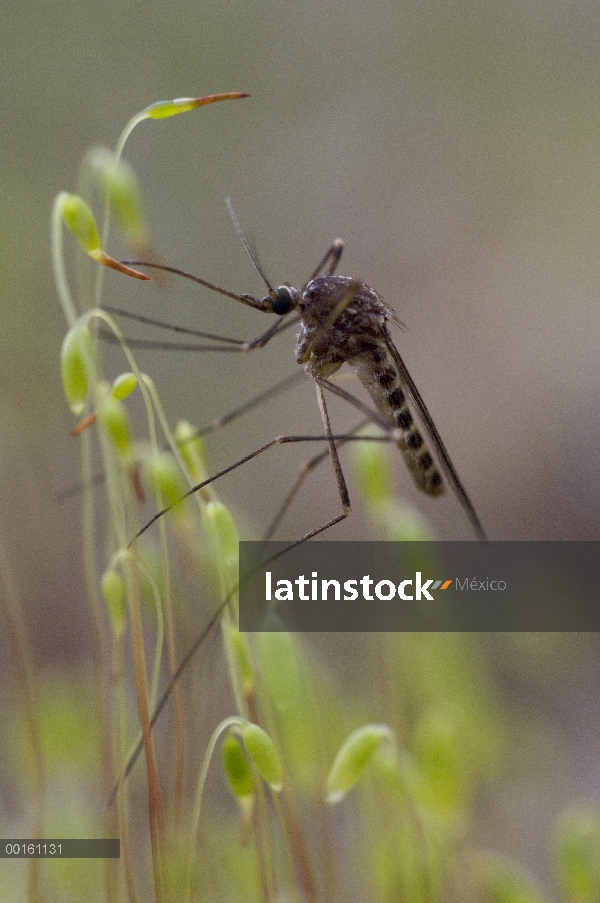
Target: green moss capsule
pixel 75 361
pixel 262 751
pixel 351 762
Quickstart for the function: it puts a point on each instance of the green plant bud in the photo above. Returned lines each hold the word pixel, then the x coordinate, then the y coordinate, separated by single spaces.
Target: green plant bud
pixel 113 419
pixel 113 591
pixel 223 537
pixel 354 755
pixel 235 766
pixel 577 854
pixel 80 220
pixel 279 667
pixel 165 478
pixel 165 108
pixel 403 523
pixel 122 192
pixel 261 750
pixel 75 359
pixel 370 462
pixel 191 447
pixel 123 386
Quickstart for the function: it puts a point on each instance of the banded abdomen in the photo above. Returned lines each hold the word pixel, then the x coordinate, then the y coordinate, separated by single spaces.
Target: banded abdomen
pixel 377 371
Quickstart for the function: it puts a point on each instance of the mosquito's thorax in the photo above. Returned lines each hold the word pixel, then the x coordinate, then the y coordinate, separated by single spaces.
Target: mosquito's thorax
pixel 341 319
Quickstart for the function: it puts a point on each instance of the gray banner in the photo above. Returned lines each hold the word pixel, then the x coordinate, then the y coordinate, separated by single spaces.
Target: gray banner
pixel 81 848
pixel 420 586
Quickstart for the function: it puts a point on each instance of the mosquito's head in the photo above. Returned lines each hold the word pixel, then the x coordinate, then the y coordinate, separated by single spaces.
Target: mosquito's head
pixel 283 299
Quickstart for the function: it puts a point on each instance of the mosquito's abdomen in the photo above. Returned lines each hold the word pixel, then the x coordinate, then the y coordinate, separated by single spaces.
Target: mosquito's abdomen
pixel 357 336
pixel 378 373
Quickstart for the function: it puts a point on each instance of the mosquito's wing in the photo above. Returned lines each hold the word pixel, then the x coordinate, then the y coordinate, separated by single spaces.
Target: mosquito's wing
pixel 433 435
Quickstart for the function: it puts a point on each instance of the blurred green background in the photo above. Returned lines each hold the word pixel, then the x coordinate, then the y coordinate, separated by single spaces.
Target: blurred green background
pixel 454 146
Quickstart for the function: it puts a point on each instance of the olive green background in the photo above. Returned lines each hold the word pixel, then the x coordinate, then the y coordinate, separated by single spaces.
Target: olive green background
pixel 454 146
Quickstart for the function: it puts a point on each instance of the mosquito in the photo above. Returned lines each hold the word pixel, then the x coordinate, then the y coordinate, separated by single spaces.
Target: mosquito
pixel 342 321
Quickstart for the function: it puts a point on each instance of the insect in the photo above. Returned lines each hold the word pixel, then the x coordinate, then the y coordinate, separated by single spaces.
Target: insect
pixel 343 321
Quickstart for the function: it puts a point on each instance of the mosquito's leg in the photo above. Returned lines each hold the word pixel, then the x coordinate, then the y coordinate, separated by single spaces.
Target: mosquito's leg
pixel 274 330
pixel 339 475
pixel 170 327
pixel 335 252
pixel 305 470
pixel 332 451
pixel 373 416
pixel 230 344
pixel 330 439
pixel 279 440
pixel 340 479
pixel 255 402
pixel 332 257
pixel 211 427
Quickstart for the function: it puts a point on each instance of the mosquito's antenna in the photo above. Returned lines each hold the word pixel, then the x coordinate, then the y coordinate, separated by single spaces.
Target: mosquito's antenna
pixel 244 241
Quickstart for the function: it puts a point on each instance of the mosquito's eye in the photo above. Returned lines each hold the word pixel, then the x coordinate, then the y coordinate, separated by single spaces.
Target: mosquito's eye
pixel 282 302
